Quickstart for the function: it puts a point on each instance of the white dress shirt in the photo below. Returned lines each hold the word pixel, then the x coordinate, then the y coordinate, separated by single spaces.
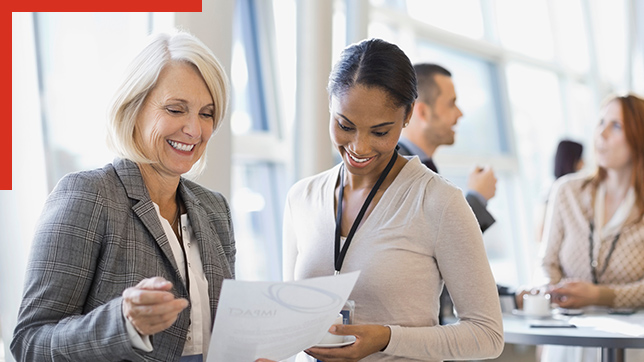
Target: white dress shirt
pixel 198 337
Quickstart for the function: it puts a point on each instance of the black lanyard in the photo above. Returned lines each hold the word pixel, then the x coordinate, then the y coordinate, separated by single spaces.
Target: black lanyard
pixel 340 254
pixel 183 248
pixel 593 262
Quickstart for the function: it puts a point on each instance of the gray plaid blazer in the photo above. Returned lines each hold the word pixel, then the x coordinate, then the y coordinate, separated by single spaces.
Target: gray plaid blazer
pixel 98 235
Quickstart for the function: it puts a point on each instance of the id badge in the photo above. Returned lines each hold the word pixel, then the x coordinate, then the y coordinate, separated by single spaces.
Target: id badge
pixel 348 311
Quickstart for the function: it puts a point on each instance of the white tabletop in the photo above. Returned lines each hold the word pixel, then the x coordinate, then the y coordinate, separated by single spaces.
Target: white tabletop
pixel 594 328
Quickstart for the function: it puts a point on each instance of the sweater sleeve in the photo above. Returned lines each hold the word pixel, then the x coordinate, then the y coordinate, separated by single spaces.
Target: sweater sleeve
pixel 53 323
pixel 483 216
pixel 463 264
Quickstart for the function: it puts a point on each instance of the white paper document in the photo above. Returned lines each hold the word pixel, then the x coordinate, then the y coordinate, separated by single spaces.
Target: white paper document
pixel 275 320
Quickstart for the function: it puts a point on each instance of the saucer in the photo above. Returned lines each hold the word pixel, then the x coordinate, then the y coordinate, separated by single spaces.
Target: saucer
pixel 521 313
pixel 347 341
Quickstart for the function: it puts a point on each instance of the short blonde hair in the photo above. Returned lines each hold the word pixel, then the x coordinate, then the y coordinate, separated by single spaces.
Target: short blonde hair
pixel 142 77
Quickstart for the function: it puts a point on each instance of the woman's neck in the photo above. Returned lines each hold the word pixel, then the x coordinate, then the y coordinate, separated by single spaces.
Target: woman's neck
pixel 162 190
pixel 362 182
pixel 618 182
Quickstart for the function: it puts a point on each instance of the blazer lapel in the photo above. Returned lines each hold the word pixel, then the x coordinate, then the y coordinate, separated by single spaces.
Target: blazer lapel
pixel 130 176
pixel 213 258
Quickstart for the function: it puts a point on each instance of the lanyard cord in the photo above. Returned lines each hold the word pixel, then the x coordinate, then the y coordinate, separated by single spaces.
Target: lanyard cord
pixel 340 254
pixel 593 262
pixel 183 248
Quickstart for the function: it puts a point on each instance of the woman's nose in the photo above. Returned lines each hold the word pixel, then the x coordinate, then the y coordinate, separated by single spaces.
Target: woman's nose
pixel 360 146
pixel 192 126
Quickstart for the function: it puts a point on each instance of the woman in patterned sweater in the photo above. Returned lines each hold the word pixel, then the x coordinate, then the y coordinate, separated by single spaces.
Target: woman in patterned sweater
pixel 594 232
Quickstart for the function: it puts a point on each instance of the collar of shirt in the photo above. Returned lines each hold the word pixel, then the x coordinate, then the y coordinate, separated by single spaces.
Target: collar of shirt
pixel 413 148
pixel 614 225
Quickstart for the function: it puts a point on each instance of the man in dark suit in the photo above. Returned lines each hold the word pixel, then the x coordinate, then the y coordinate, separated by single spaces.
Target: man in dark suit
pixel 431 125
pixel 434 116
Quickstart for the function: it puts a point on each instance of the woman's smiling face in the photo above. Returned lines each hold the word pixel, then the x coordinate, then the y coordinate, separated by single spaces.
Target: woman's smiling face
pixel 365 127
pixel 176 121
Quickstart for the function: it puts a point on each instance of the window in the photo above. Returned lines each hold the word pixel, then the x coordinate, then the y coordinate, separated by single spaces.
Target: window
pixel 527 74
pixel 524 27
pixel 475 81
pixel 261 173
pixel 76 52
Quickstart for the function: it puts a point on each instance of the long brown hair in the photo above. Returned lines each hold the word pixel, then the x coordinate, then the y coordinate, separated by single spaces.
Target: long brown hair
pixel 633 118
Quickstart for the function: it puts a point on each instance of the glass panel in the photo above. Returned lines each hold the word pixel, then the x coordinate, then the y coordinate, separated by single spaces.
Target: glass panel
pixel 80 53
pixel 537 117
pixel 610 22
pixel 257 205
pixel 480 129
pixel 249 110
pixel 397 4
pixel 524 26
pixel 285 32
pixel 240 119
pixel 259 187
pixel 339 40
pixel 383 31
pixel 581 112
pixel 572 39
pixel 462 17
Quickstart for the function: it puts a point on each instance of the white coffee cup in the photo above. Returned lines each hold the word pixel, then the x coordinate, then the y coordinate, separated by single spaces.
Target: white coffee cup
pixel 333 338
pixel 537 305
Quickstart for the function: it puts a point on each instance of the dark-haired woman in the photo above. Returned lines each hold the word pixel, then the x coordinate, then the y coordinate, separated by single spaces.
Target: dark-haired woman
pixel 407 229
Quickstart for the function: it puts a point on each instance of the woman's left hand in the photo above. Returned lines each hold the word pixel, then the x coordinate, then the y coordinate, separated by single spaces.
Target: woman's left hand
pixel 575 294
pixel 369 339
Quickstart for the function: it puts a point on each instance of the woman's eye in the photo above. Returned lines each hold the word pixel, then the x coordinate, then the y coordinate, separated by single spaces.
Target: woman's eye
pixel 206 115
pixel 344 128
pixel 617 125
pixel 380 134
pixel 173 110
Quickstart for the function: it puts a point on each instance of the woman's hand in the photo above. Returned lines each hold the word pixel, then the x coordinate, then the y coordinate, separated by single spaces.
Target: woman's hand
pixel 575 294
pixel 523 290
pixel 150 307
pixel 369 339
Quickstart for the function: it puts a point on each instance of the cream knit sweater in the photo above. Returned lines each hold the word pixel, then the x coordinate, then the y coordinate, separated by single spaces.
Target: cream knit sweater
pixel 420 234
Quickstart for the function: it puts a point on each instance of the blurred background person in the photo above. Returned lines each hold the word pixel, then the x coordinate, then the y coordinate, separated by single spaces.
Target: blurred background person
pixel 568 159
pixel 594 232
pixel 432 125
pixel 128 260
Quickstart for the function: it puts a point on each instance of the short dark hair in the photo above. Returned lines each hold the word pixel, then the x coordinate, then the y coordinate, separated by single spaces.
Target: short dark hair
pixel 375 63
pixel 567 156
pixel 428 90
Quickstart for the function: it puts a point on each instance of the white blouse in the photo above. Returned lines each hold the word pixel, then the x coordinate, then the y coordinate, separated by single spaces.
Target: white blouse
pixel 198 338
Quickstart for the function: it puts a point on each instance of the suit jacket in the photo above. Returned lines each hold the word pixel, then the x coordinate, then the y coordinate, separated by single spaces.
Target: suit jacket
pixel 483 216
pixel 98 235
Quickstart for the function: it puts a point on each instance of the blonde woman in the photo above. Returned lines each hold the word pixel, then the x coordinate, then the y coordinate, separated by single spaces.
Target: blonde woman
pixel 128 260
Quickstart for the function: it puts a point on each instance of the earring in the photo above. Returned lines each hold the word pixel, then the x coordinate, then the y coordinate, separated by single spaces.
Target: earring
pixel 405 124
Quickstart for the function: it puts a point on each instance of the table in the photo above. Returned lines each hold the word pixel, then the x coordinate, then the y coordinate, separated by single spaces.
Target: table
pixel 597 329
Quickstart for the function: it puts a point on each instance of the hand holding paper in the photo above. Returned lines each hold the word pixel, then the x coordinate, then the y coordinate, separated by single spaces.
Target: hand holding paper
pixel 275 320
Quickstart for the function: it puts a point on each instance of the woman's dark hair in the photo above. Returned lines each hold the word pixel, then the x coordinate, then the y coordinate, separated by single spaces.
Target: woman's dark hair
pixel 567 156
pixel 375 63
